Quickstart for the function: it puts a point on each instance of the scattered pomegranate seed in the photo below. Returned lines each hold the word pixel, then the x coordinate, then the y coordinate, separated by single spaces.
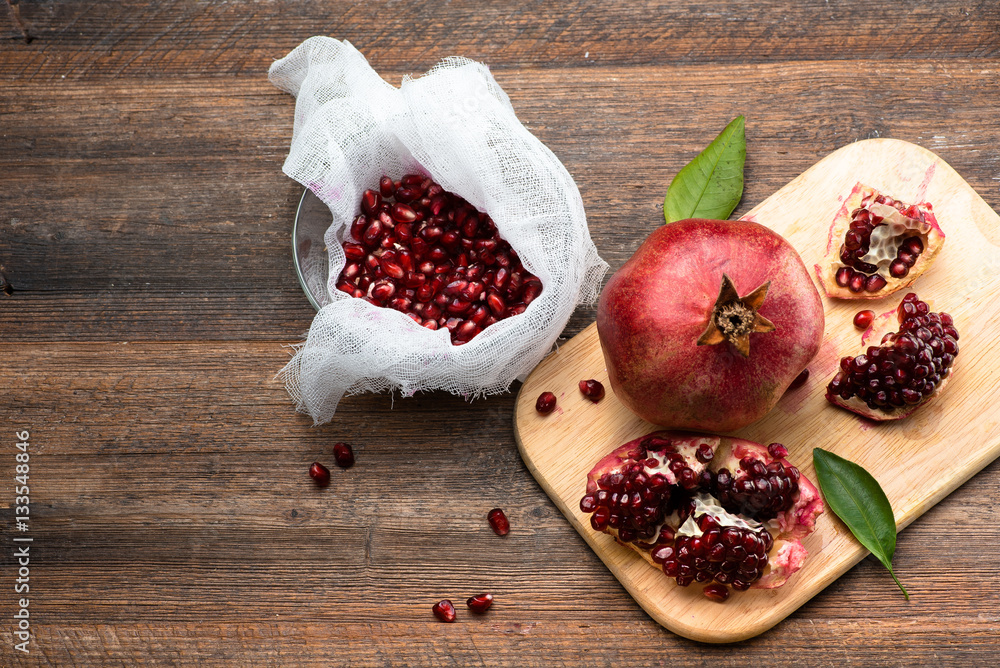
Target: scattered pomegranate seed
pixel 800 380
pixel 444 610
pixel 864 319
pixel 344 455
pixel 717 592
pixel 320 474
pixel 546 403
pixel 432 256
pixel 499 522
pixel 592 389
pixel 480 603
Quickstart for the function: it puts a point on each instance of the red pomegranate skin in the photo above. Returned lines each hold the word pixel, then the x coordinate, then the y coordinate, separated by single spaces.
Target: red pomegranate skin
pixel 653 310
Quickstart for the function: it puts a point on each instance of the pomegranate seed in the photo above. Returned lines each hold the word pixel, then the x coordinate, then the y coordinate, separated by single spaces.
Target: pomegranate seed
pixel 499 522
pixel 874 283
pixel 372 233
pixel 407 194
pixel 386 187
pixel 320 474
pixel 546 403
pixel 592 389
pixel 370 202
pixel 444 610
pixel 354 252
pixel 402 213
pixel 480 603
pixel 857 283
pixel 344 455
pixel 864 319
pixel 800 380
pixel 705 453
pixel 844 276
pixel 898 269
pixel 717 592
pixel 777 450
pixel 383 290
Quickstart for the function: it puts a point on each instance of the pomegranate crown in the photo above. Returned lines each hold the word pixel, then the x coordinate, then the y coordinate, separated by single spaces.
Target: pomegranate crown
pixel 734 318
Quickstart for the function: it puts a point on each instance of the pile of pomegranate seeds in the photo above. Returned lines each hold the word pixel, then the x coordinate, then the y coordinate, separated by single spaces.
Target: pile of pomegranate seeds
pixel 859 276
pixel 734 556
pixel 431 255
pixel 907 367
pixel 756 490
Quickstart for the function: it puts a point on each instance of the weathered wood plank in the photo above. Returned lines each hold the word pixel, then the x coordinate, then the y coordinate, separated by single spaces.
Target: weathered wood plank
pixel 140 38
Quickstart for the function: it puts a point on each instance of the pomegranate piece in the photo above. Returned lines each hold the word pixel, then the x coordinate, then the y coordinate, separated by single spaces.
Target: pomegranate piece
pixel 444 610
pixel 546 403
pixel 878 245
pixel 706 508
pixel 909 368
pixel 864 319
pixel 480 603
pixel 592 389
pixel 344 455
pixel 431 255
pixel 320 474
pixel 692 347
pixel 498 522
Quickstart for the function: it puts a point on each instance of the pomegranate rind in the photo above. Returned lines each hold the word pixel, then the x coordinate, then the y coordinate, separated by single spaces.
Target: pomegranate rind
pixel 651 314
pixel 784 559
pixel 826 272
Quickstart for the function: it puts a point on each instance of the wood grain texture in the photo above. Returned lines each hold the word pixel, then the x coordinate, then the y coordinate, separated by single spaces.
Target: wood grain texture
pixel 145 233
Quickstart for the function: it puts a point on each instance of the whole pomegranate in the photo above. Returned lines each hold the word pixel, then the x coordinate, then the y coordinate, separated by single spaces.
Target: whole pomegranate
pixel 708 324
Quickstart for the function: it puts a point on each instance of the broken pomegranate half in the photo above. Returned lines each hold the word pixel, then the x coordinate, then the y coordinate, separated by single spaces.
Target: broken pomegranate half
pixel 705 508
pixel 878 245
pixel 906 370
pixel 429 254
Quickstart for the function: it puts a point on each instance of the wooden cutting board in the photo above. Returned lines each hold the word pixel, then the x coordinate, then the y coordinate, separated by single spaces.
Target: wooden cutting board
pixel 918 460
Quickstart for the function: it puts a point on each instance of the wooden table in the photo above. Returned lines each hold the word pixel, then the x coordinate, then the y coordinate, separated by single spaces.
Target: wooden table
pixel 149 299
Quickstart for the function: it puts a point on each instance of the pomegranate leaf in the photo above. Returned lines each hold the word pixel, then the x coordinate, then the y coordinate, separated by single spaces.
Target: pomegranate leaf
pixel 857 499
pixel 711 185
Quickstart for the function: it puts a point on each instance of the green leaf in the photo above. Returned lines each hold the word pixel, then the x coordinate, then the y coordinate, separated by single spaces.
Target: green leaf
pixel 711 185
pixel 857 499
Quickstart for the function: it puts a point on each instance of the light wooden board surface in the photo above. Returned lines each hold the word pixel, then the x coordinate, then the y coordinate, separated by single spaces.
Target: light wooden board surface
pixel 918 460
